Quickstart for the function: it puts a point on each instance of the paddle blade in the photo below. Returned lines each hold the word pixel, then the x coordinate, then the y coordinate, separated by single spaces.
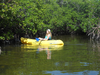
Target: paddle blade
pixel 37 39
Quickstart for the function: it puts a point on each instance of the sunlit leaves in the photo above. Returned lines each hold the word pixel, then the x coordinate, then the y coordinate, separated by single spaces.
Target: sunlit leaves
pixel 2 38
pixel 34 31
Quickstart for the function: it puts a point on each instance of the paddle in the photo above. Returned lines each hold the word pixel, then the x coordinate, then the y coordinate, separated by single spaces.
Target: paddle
pixel 37 39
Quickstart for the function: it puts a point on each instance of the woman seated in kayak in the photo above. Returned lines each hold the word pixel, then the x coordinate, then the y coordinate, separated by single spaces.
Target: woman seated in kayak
pixel 48 35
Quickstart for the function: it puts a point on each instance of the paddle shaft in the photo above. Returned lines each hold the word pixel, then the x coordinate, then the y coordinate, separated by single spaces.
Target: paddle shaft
pixel 40 42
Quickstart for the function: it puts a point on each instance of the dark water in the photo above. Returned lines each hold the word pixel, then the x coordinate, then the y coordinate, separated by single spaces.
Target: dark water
pixel 78 56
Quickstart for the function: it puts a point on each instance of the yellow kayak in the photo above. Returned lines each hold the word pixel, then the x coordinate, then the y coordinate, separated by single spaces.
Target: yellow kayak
pixel 34 42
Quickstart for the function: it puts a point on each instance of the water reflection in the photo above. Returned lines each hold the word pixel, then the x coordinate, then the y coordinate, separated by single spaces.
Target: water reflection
pixel 67 64
pixel 47 49
pixel 0 50
pixel 57 72
pixel 32 48
pixel 95 45
pixel 77 57
pixel 39 48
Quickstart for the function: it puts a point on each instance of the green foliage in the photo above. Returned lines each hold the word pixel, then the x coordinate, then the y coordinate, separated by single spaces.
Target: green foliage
pixel 21 16
pixel 2 38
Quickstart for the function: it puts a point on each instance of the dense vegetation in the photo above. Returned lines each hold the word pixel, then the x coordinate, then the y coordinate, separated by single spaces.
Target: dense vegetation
pixel 61 16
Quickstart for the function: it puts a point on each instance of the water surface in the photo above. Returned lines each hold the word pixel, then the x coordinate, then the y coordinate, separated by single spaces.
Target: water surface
pixel 78 56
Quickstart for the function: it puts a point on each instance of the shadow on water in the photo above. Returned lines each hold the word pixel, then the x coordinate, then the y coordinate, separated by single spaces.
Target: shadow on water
pixel 78 56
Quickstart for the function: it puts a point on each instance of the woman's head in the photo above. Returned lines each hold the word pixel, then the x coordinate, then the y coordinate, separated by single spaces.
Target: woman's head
pixel 48 32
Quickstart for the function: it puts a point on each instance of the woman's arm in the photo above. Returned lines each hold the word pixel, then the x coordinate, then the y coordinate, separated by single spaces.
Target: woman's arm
pixel 40 38
pixel 45 38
